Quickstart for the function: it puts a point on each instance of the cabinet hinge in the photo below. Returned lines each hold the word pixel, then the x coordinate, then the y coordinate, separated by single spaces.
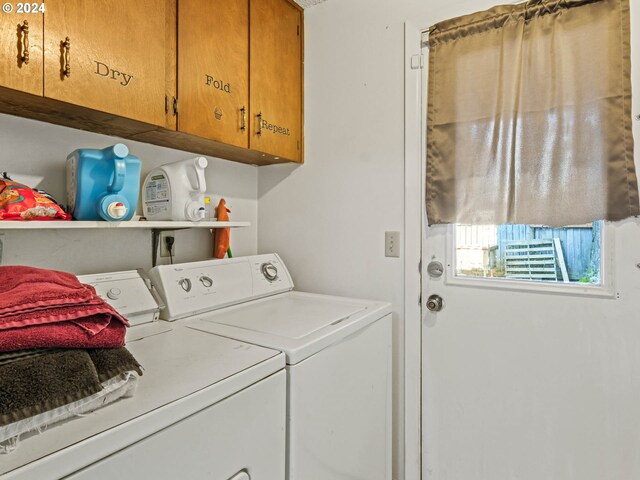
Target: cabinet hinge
pixel 298 30
pixel 175 106
pixel 166 104
pixel 420 267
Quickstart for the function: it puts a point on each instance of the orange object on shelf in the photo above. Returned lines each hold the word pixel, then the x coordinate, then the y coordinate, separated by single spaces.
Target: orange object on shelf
pixel 222 235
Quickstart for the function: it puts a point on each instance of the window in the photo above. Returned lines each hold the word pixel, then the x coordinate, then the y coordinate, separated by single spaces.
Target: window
pixel 536 253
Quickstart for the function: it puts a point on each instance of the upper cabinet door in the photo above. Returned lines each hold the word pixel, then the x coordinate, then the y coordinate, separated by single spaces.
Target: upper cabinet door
pixel 213 69
pixel 276 78
pixel 21 49
pixel 108 55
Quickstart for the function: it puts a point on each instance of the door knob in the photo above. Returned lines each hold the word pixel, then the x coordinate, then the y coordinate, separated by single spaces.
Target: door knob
pixel 434 303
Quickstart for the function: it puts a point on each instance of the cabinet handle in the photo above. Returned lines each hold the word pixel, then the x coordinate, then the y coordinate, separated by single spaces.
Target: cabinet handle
pixel 243 121
pixel 67 61
pixel 259 132
pixel 25 42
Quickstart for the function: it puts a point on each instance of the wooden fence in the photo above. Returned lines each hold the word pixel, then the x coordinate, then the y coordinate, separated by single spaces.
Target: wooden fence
pixel 576 244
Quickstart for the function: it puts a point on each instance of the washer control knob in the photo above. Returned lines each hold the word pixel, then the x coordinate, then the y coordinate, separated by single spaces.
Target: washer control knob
pixel 206 281
pixel 185 283
pixel 114 293
pixel 269 271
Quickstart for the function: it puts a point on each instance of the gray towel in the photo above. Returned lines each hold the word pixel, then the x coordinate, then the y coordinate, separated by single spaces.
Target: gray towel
pixel 34 382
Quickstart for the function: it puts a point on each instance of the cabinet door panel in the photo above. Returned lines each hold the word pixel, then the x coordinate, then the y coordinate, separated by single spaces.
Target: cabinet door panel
pixel 116 56
pixel 17 71
pixel 171 62
pixel 213 69
pixel 276 78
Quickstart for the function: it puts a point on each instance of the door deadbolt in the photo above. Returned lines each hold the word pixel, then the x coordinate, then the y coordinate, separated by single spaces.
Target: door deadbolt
pixel 435 269
pixel 434 303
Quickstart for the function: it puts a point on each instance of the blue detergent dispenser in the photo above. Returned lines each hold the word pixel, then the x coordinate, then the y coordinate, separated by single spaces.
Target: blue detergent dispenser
pixel 103 184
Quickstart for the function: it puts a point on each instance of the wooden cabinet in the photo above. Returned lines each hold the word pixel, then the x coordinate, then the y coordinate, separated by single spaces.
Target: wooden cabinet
pixel 215 77
pixel 240 74
pixel 21 51
pixel 109 55
pixel 213 69
pixel 276 78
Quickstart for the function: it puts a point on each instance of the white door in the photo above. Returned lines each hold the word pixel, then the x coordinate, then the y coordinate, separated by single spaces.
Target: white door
pixel 531 384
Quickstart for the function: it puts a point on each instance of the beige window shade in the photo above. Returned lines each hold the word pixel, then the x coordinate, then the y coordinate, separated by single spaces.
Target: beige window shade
pixel 529 115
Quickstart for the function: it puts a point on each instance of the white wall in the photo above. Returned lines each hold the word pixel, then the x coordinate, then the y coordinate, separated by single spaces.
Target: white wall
pixel 29 147
pixel 327 218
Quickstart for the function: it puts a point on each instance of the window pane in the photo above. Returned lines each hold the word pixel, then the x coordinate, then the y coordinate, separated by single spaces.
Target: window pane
pixel 530 252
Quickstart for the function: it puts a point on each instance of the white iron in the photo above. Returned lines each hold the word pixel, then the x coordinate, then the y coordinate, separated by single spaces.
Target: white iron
pixel 175 191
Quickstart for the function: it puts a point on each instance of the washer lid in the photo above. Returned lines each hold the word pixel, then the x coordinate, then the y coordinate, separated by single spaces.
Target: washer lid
pixel 299 324
pixel 290 316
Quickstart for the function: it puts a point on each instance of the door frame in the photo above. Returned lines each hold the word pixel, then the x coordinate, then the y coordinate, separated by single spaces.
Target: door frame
pixel 413 225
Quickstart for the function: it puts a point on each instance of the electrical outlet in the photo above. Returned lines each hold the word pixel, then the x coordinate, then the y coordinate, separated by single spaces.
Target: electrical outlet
pixel 391 244
pixel 164 251
pixel 1 246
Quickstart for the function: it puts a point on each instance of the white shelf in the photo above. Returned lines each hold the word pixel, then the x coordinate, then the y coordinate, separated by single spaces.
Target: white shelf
pixel 59 225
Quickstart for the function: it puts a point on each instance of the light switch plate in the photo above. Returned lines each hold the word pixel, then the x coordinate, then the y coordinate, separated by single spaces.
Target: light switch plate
pixel 391 244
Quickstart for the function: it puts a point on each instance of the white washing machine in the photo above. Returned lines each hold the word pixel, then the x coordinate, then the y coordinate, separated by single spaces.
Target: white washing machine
pixel 338 353
pixel 207 407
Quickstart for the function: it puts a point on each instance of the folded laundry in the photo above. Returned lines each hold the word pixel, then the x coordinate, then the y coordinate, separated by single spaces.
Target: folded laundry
pixel 62 335
pixel 38 388
pixel 37 384
pixel 92 299
pixel 61 351
pixel 100 311
pixel 49 309
pixel 110 362
pixel 120 386
pixel 24 288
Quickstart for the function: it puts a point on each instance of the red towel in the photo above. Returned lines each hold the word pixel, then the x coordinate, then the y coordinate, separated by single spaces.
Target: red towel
pixel 50 309
pixel 61 335
pixel 96 307
pixel 87 304
pixel 24 288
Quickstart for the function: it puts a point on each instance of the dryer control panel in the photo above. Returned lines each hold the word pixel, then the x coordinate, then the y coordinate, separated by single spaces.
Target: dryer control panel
pixel 198 287
pixel 127 293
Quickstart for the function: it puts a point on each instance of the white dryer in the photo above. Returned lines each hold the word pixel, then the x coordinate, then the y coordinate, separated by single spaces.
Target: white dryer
pixel 338 353
pixel 207 407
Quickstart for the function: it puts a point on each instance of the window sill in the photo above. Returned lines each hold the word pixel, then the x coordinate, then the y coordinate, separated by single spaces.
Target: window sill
pixel 574 289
